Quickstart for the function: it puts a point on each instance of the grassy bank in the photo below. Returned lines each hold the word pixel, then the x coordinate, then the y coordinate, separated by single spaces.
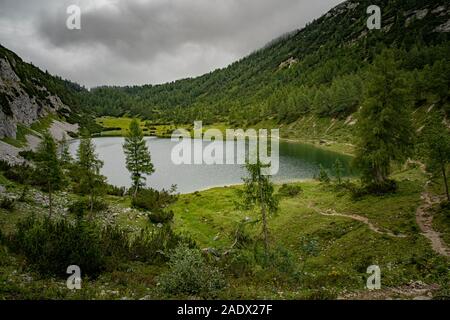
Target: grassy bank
pixel 319 256
pixel 328 134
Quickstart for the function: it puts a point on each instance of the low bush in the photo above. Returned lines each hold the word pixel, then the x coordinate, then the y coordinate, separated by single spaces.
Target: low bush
pixel 161 216
pixel 116 191
pixel 153 245
pixel 289 190
pixel 7 204
pixel 389 186
pixel 80 207
pixel 4 165
pixel 153 200
pixel 19 173
pixel 28 155
pixel 323 175
pixel 50 246
pixel 190 274
pixel 359 191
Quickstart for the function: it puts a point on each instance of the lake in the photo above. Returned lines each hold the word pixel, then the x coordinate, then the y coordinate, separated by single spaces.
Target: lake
pixel 297 161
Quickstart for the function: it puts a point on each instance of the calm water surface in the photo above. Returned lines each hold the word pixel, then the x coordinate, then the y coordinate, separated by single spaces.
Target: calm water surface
pixel 297 161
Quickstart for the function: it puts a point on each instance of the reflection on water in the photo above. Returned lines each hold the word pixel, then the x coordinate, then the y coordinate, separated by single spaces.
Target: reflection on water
pixel 297 161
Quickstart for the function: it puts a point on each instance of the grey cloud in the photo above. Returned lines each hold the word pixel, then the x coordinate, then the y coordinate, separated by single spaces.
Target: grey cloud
pixel 136 41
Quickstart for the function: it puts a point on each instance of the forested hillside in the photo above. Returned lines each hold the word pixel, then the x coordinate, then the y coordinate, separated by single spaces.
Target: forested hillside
pixel 320 70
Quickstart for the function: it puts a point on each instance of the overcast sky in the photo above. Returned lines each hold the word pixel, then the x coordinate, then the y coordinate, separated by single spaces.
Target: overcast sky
pixel 125 42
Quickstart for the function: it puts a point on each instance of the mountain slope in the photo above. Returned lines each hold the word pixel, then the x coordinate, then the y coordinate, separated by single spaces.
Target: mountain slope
pixel 28 95
pixel 318 70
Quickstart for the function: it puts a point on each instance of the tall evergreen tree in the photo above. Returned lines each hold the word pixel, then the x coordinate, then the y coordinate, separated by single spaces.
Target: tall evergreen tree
pixel 437 149
pixel 91 181
pixel 64 154
pixel 138 158
pixel 48 168
pixel 384 126
pixel 259 191
pixel 338 169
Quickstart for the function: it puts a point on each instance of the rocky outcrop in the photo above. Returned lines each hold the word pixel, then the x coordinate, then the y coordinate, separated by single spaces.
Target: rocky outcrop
pixel 10 153
pixel 17 106
pixel 24 99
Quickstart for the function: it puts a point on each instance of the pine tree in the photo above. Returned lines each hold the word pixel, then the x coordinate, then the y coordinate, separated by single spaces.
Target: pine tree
pixel 48 168
pixel 338 169
pixel 64 155
pixel 91 181
pixel 384 125
pixel 259 191
pixel 437 149
pixel 138 158
pixel 323 175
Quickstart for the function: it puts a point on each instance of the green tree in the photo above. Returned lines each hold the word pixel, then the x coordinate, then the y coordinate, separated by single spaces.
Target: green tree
pixel 338 169
pixel 323 175
pixel 48 168
pixel 64 155
pixel 437 149
pixel 384 127
pixel 138 158
pixel 259 191
pixel 92 182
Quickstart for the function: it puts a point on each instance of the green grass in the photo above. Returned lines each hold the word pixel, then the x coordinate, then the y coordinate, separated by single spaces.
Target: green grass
pixel 344 247
pixel 36 129
pixel 323 133
pixel 20 140
pixel 44 123
pixel 122 124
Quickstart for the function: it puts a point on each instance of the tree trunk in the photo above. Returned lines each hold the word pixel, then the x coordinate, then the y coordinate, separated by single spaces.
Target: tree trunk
pixel 50 204
pixel 91 205
pixel 136 189
pixel 264 219
pixel 265 231
pixel 445 181
pixel 379 176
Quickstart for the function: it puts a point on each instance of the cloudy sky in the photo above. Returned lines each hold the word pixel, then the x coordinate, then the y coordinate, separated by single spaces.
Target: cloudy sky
pixel 125 42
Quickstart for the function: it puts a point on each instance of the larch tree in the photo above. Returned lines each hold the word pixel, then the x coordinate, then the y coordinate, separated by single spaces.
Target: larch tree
pixel 259 191
pixel 91 181
pixel 138 159
pixel 437 149
pixel 384 126
pixel 48 167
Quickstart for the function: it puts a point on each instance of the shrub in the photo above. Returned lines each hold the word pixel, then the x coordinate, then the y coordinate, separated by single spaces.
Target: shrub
pixel 4 165
pixel 19 173
pixel 51 246
pixel 28 155
pixel 310 246
pixel 116 191
pixel 191 274
pixel 288 190
pixel 153 246
pixel 7 204
pixel 153 200
pixel 80 207
pixel 240 237
pixel 389 186
pixel 24 194
pixel 161 216
pixel 240 263
pixel 323 175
